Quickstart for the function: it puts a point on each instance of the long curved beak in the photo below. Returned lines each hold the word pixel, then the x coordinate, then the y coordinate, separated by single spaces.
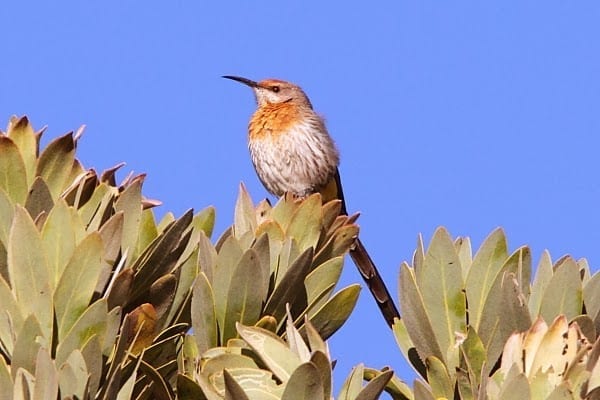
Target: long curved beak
pixel 245 81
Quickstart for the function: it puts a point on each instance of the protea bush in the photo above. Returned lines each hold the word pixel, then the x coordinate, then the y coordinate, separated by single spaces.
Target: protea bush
pixel 98 300
pixel 477 328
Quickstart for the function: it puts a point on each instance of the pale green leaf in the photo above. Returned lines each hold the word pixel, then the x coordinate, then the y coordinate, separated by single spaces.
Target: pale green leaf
pixel 56 162
pixel 485 267
pixel 204 320
pixel 305 225
pixel 26 346
pixel 22 134
pixel 13 176
pixel 304 384
pixel 130 202
pixel 564 294
pixel 290 287
pixel 74 375
pixel 11 318
pixel 76 285
pixel 375 387
pixel 228 258
pixel 46 377
pixel 439 378
pixel 417 321
pixel 7 211
pixel 441 287
pixel 353 384
pixel 58 237
pixel 542 279
pixel 93 321
pixel 244 216
pixel 272 351
pixel 320 282
pixel 332 315
pixel 27 267
pixel 591 296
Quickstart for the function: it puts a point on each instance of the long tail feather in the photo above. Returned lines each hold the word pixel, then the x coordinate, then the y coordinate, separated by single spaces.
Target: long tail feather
pixel 375 283
pixel 368 270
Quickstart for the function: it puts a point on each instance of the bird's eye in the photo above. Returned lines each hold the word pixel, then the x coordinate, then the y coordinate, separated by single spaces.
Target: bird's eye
pixel 275 89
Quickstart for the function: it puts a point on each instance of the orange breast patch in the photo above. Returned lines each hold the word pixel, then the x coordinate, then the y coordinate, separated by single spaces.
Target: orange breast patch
pixel 272 120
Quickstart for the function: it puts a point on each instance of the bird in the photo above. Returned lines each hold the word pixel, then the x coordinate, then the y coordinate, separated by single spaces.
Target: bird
pixel 292 152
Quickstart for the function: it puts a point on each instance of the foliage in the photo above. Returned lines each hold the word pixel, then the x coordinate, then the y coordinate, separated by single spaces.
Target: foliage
pixel 475 327
pixel 101 301
pixel 98 298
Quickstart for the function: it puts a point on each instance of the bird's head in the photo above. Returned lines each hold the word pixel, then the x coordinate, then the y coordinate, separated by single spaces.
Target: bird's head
pixel 274 91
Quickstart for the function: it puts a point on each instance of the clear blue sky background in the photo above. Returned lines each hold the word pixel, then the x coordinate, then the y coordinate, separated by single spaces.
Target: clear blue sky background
pixel 470 115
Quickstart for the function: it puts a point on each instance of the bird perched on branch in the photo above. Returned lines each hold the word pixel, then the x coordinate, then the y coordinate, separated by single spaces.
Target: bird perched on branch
pixel 292 152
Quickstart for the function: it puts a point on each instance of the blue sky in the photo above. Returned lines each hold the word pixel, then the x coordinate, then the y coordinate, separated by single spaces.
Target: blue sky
pixel 470 115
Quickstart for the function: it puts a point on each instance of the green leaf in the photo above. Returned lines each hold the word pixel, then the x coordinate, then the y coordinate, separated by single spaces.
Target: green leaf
pixel 320 282
pixel 22 134
pixel 283 210
pixel 130 202
pixel 329 318
pixel 564 294
pixel 422 391
pixel 474 355
pixel 305 225
pixel 463 249
pixel 28 270
pixel 93 321
pixel 291 285
pixel 338 245
pixel 92 354
pixel 353 384
pixel 233 391
pixel 417 321
pixel 13 176
pixel 440 284
pixel 46 376
pixel 561 392
pixel 485 267
pixel 204 320
pixel 205 220
pixel 542 278
pixel 285 256
pixel 228 258
pixel 272 351
pixel 58 237
pixel 161 256
pixel 439 378
pixel 11 318
pixel 315 342
pixel 39 199
pixel 7 211
pixel 591 297
pixel 304 384
pixel 147 232
pixel 515 387
pixel 244 216
pixel 321 361
pixel 94 209
pixel 73 376
pixel 77 283
pixel 187 389
pixel 6 382
pixel 375 387
pixel 207 256
pixel 27 346
pixel 505 311
pixel 55 163
pixel 244 298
